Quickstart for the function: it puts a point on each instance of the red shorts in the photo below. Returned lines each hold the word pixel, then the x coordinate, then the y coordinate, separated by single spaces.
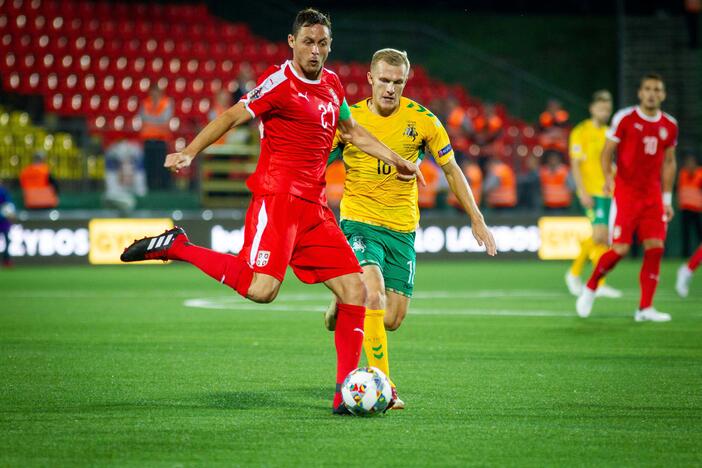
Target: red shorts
pixel 282 229
pixel 643 216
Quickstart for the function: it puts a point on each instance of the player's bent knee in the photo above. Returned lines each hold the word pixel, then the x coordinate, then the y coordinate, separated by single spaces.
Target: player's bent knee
pixel 353 291
pixel 653 244
pixel 263 290
pixel 375 300
pixel 621 249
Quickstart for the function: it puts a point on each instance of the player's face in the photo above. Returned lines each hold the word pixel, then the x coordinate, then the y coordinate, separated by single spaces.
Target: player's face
pixel 311 46
pixel 601 111
pixel 651 94
pixel 388 82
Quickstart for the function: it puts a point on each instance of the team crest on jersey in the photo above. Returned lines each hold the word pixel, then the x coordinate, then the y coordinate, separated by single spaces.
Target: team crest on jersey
pixel 663 133
pixel 357 244
pixel 411 130
pixel 262 258
pixel 335 98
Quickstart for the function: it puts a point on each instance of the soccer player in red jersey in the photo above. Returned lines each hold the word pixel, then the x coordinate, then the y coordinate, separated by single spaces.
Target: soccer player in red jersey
pixel 644 139
pixel 300 104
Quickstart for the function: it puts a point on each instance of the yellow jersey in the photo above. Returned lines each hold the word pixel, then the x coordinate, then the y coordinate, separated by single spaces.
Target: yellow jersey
pixel 586 144
pixel 372 192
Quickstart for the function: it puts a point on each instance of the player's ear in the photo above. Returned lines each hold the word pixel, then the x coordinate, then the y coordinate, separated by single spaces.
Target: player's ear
pixel 370 78
pixel 291 40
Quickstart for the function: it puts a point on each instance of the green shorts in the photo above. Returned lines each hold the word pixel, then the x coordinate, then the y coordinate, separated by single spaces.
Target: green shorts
pixel 599 214
pixel 392 251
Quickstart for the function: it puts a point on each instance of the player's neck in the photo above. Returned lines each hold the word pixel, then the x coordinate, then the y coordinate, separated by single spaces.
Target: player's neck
pixel 301 73
pixel 650 112
pixel 597 123
pixel 378 111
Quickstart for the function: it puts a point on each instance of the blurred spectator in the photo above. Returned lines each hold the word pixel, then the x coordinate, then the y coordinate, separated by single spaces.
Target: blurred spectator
pixel 529 185
pixel 427 194
pixel 39 188
pixel 500 185
pixel 553 123
pixel 458 125
pixel 557 185
pixel 474 175
pixel 124 175
pixel 221 102
pixel 487 127
pixel 690 202
pixel 245 81
pixel 7 217
pixel 156 112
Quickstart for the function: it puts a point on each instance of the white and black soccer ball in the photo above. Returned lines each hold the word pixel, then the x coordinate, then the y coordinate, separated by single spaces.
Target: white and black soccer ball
pixel 366 391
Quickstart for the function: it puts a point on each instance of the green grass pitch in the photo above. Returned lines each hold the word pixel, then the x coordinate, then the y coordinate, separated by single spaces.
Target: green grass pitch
pixel 161 366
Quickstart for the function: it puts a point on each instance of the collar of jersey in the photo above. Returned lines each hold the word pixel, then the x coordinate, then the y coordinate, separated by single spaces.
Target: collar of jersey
pixel 288 64
pixel 646 117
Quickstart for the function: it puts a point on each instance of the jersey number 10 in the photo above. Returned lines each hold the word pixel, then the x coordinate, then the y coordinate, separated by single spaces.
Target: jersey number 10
pixel 650 144
pixel 383 168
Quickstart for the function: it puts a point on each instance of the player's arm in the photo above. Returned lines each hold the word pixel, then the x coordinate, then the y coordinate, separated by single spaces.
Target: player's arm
pixel 576 156
pixel 459 186
pixel 232 117
pixel 607 158
pixel 362 139
pixel 669 169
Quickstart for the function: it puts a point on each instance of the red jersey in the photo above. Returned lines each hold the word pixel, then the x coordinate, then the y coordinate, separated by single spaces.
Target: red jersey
pixel 298 123
pixel 643 141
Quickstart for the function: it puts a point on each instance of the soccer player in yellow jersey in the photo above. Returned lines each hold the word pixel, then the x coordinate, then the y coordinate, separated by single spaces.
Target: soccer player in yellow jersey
pixel 586 143
pixel 379 213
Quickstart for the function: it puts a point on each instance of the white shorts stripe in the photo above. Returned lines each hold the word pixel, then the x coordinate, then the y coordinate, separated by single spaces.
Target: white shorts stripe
pixel 260 227
pixel 151 244
pixel 612 219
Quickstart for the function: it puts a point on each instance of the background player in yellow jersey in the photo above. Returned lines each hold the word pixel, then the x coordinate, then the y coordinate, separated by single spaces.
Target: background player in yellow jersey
pixel 379 213
pixel 586 143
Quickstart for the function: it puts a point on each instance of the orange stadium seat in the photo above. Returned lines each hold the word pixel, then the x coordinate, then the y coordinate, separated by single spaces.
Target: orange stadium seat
pixel 428 193
pixel 335 177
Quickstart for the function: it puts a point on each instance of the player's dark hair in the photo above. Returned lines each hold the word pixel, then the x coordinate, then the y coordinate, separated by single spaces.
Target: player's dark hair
pixel 310 17
pixel 651 76
pixel 601 95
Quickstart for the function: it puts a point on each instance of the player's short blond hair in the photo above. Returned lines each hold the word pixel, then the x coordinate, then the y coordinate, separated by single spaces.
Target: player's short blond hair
pixel 601 95
pixel 391 57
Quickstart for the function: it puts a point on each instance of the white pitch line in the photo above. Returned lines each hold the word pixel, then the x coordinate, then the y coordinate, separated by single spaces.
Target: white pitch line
pixel 240 305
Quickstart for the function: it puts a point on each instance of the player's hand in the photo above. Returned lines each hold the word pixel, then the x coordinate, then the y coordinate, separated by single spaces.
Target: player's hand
pixel 177 161
pixel 608 188
pixel 407 170
pixel 484 237
pixel 669 213
pixel 586 200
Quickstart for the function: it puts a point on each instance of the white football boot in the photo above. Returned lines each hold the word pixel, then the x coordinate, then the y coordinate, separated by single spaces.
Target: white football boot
pixel 608 291
pixel 574 283
pixel 583 306
pixel 649 314
pixel 682 284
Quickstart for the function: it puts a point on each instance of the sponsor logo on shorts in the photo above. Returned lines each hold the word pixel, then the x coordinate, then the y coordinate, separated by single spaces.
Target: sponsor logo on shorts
pixel 445 150
pixel 357 244
pixel 617 232
pixel 262 258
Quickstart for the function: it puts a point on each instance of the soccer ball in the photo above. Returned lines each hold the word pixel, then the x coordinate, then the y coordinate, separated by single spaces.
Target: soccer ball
pixel 366 391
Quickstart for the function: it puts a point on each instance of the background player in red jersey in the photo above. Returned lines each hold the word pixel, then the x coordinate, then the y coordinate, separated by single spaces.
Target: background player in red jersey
pixel 300 104
pixel 645 140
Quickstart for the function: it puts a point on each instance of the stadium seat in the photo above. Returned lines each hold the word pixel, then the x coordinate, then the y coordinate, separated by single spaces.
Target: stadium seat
pixel 428 193
pixel 335 177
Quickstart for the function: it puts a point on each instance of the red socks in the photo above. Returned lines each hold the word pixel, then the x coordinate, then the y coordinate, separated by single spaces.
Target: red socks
pixel 348 337
pixel 607 261
pixel 696 259
pixel 648 278
pixel 225 268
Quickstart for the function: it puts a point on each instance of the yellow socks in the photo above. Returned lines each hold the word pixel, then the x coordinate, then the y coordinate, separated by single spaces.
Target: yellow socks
pixel 585 248
pixel 375 343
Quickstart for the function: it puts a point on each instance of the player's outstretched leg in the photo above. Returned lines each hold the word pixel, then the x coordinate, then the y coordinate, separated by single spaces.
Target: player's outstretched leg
pixel 348 332
pixel 682 283
pixel 648 279
pixel 608 260
pixel 174 245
